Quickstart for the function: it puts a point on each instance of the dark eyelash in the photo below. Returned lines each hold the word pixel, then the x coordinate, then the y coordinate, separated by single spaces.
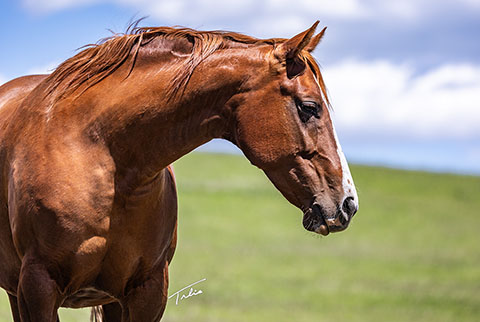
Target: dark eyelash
pixel 308 109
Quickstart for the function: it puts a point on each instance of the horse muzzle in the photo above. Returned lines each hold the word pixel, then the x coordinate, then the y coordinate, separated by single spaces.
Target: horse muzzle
pixel 317 219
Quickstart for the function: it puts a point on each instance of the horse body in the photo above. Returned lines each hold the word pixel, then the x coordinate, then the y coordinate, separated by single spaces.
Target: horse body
pixel 102 222
pixel 89 207
pixel 100 236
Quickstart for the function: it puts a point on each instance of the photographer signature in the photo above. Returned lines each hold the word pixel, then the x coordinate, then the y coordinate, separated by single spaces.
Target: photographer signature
pixel 182 294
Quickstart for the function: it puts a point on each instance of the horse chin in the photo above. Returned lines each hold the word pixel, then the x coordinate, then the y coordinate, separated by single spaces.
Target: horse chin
pixel 315 223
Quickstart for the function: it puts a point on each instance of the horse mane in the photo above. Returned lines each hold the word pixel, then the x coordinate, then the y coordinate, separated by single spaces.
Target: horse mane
pixel 97 61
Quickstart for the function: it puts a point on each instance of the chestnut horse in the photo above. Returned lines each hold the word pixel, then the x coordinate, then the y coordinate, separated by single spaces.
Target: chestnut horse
pixel 88 202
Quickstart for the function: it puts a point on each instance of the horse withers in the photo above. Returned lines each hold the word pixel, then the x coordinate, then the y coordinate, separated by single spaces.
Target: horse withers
pixel 89 207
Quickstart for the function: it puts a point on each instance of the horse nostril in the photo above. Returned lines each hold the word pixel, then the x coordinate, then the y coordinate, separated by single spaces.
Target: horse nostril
pixel 349 206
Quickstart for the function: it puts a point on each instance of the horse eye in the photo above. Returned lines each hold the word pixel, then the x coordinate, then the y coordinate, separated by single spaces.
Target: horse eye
pixel 309 108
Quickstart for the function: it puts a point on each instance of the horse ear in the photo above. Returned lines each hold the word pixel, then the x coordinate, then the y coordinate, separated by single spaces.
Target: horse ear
pixel 315 41
pixel 290 49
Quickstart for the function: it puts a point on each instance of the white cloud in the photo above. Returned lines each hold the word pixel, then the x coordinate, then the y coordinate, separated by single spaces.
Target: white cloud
pixel 193 12
pixel 270 18
pixel 472 3
pixel 198 12
pixel 380 98
pixel 47 6
pixel 338 8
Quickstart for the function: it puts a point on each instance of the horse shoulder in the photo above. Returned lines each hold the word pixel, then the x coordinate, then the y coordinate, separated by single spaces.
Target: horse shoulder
pixel 60 197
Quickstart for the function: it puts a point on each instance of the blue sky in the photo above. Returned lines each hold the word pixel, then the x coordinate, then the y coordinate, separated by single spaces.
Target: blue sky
pixel 403 76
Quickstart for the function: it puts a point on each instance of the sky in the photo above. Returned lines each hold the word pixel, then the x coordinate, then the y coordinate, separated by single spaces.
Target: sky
pixel 403 76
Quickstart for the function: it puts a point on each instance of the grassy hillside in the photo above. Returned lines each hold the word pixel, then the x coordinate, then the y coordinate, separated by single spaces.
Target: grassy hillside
pixel 412 252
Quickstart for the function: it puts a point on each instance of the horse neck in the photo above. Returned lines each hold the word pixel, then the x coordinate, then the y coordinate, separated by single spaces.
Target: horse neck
pixel 146 130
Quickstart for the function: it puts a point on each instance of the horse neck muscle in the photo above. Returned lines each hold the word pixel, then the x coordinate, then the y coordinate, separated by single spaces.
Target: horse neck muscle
pixel 147 130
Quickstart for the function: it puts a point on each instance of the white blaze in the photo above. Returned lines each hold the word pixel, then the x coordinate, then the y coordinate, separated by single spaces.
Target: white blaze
pixel 347 180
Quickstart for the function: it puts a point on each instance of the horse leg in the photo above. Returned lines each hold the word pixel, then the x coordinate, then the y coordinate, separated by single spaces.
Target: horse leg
pixel 111 312
pixel 14 308
pixel 147 302
pixel 38 295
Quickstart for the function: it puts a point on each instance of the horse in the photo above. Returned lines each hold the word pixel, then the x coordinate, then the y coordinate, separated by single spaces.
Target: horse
pixel 88 213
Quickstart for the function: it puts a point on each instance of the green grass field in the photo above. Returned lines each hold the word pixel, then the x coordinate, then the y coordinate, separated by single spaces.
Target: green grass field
pixel 412 252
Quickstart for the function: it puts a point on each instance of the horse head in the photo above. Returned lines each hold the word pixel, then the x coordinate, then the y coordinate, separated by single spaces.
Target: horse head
pixel 282 124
